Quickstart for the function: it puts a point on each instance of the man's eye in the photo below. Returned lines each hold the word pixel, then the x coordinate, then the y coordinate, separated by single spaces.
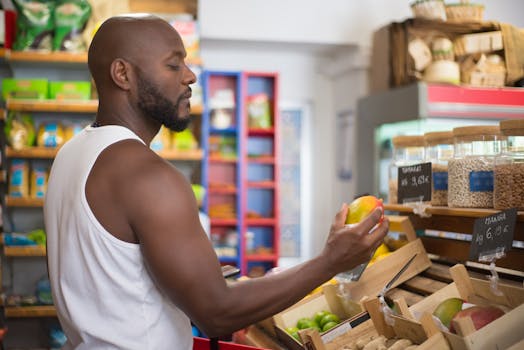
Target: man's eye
pixel 174 66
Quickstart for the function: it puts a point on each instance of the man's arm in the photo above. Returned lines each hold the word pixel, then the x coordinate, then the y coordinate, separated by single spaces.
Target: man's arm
pixel 164 216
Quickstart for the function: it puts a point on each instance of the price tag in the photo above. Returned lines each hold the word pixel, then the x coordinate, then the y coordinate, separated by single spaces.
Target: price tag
pixel 493 235
pixel 414 183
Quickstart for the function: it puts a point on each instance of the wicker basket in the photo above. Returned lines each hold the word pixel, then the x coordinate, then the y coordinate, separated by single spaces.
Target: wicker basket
pixel 429 9
pixel 464 12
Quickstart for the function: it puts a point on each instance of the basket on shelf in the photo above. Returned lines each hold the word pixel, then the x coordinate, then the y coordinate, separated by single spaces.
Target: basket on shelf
pixel 464 11
pixel 429 9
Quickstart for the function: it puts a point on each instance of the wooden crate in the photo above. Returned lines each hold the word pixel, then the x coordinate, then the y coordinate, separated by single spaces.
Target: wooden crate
pixel 372 281
pixel 499 334
pixel 367 284
pixel 328 300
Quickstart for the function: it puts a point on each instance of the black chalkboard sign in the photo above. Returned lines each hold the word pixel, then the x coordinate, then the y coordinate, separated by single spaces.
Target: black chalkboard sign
pixel 414 183
pixel 493 235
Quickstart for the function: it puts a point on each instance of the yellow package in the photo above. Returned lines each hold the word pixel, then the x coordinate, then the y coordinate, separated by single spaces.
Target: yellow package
pixel 19 178
pixel 50 135
pixel 38 182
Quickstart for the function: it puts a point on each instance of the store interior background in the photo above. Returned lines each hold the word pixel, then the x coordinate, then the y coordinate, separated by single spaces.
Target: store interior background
pixel 322 52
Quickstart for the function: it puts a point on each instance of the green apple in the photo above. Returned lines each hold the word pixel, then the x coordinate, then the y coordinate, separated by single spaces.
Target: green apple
pixel 447 309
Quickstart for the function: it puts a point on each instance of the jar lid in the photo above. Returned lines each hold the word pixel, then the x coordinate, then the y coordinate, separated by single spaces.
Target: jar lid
pixel 408 141
pixel 513 127
pixel 476 130
pixel 438 137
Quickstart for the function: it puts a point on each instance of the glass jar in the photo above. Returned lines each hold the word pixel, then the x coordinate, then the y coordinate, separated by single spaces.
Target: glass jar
pixel 439 149
pixel 508 190
pixel 407 150
pixel 470 171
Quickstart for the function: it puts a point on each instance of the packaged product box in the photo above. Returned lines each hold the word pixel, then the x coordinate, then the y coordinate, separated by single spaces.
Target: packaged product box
pixel 70 90
pixel 19 178
pixel 24 88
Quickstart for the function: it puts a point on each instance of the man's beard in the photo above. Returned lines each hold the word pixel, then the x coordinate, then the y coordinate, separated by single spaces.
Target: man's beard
pixel 154 104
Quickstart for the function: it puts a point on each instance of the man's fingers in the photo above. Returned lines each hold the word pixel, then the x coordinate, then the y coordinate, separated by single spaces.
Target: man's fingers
pixel 379 233
pixel 340 218
pixel 370 221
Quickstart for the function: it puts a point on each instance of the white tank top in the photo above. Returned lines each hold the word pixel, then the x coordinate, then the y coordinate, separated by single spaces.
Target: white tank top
pixel 104 296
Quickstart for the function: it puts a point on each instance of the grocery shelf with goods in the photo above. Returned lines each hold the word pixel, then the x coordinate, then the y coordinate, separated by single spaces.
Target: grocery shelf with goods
pixel 22 212
pixel 260 233
pixel 417 108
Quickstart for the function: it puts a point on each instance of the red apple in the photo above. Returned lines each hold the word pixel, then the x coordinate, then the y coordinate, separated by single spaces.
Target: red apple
pixel 480 315
pixel 361 207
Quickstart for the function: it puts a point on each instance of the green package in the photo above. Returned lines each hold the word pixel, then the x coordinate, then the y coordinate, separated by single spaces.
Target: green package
pixel 34 25
pixel 70 20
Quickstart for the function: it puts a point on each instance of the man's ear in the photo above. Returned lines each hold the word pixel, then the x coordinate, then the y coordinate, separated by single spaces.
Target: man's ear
pixel 120 71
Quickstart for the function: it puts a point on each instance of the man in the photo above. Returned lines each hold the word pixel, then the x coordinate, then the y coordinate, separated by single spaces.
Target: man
pixel 129 262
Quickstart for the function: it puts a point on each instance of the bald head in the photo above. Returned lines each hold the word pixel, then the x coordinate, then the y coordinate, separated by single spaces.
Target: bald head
pixel 134 38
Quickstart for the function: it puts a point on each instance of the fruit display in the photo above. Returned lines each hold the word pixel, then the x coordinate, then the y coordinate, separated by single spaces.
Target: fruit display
pixel 361 207
pixel 452 309
pixel 480 315
pixel 322 321
pixel 447 309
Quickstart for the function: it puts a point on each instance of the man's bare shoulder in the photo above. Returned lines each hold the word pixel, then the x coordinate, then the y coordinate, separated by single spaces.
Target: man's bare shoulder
pixel 130 161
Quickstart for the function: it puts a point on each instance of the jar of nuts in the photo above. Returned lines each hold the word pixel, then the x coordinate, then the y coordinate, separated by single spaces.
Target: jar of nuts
pixel 470 171
pixel 508 190
pixel 439 149
pixel 407 150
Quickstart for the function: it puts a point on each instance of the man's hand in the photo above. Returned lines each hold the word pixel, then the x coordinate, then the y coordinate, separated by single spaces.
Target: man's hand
pixel 350 245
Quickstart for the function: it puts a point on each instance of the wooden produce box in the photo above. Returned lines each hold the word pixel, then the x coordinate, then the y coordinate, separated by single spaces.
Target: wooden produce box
pixel 417 324
pixel 370 284
pixel 328 301
pixel 397 223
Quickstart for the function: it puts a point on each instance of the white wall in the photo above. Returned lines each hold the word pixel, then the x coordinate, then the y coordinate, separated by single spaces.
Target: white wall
pixel 321 50
pixel 329 22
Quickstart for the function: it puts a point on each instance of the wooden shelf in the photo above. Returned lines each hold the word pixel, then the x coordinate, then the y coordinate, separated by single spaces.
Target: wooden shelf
pixel 30 311
pixel 43 56
pixel 50 153
pixel 25 251
pixel 60 57
pixel 459 220
pixel 463 212
pixel 31 105
pixel 31 152
pixel 73 106
pixel 24 202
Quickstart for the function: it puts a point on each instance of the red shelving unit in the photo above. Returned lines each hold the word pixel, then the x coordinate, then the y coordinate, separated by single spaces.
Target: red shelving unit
pixel 260 233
